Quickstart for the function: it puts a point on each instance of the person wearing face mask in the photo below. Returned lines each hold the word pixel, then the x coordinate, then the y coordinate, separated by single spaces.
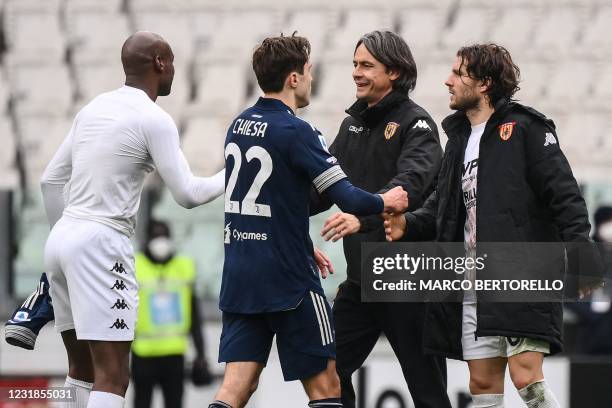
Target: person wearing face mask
pixel 168 313
pixel 595 316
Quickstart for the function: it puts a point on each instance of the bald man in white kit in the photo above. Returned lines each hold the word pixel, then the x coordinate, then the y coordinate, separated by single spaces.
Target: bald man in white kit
pixel 114 142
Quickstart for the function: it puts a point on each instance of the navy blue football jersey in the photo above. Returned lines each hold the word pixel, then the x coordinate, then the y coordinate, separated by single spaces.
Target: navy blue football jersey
pixel 272 159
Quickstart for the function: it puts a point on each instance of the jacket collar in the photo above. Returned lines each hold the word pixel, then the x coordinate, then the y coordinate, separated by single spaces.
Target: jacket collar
pixel 374 114
pixel 458 121
pixel 272 104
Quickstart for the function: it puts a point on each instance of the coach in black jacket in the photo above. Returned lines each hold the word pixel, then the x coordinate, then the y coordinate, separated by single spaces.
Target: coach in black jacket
pixel 526 192
pixel 386 141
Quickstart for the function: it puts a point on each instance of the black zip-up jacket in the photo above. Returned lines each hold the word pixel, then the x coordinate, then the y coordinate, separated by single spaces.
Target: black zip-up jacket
pixel 526 193
pixel 393 143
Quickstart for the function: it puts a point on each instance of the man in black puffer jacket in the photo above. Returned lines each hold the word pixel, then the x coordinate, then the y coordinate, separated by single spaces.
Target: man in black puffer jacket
pixel 386 141
pixel 503 178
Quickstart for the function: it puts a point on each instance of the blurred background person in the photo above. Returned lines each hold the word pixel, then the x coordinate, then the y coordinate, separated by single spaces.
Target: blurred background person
pixel 168 314
pixel 594 317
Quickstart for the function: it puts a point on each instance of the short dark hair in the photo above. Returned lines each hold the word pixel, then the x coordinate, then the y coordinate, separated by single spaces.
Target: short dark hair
pixel 391 50
pixel 276 57
pixel 491 62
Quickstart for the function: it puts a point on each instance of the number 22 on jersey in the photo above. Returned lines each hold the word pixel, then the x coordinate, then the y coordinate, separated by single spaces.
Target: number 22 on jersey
pixel 249 205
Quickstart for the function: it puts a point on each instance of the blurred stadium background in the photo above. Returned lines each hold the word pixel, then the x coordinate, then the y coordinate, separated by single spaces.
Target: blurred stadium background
pixel 56 55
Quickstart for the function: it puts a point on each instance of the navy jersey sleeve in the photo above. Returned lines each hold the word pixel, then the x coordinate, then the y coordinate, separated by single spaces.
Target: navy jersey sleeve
pixel 309 154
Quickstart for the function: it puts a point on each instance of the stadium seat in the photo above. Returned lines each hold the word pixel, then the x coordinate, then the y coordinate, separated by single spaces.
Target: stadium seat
pixel 39 138
pixel 204 25
pixel 51 7
pixel 336 88
pixel 75 7
pixel 95 37
pixel 430 88
pixel 139 6
pixel 313 24
pixel 203 142
pixel 41 90
pixel 5 94
pixel 230 43
pixel 582 137
pixel 221 88
pixel 8 169
pixel 174 27
pixel 571 82
pixel 355 22
pixel 415 21
pixel 469 25
pixel 514 26
pixel 34 39
pixel 597 36
pixel 558 32
pixel 94 79
pixel 534 80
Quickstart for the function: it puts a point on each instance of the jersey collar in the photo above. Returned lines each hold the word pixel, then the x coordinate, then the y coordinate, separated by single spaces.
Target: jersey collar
pixel 272 104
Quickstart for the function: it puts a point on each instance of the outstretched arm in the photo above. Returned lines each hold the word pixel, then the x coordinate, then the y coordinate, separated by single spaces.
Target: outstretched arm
pixel 188 190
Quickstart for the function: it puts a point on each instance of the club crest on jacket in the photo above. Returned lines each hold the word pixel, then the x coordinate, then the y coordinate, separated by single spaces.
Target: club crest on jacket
pixel 390 129
pixel 505 130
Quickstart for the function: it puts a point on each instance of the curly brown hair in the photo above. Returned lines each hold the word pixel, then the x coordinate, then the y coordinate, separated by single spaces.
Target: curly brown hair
pixel 276 57
pixel 493 63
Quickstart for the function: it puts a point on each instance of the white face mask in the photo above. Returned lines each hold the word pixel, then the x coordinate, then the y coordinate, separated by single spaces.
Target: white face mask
pixel 161 247
pixel 605 231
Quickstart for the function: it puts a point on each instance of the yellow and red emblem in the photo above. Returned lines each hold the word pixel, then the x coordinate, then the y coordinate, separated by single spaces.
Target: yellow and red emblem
pixel 505 130
pixel 390 129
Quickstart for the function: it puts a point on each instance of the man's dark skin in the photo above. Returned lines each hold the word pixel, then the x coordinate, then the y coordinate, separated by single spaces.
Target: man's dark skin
pixel 148 65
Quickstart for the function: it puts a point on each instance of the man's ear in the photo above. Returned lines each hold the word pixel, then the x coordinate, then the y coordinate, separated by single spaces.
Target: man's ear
pixel 485 84
pixel 292 80
pixel 393 74
pixel 158 63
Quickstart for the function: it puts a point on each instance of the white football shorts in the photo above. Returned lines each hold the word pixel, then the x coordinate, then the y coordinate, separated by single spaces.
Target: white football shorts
pixel 92 280
pixel 493 346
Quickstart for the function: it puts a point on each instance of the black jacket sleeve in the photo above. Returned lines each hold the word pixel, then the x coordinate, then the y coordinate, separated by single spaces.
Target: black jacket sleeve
pixel 417 168
pixel 550 176
pixel 421 224
pixel 196 325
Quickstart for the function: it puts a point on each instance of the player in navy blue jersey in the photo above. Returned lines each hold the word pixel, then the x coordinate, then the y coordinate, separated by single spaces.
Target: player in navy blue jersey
pixel 271 281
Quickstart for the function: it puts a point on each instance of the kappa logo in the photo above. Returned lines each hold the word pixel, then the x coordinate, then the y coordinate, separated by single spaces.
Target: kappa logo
pixel 120 304
pixel 421 124
pixel 118 267
pixel 550 139
pixel 355 129
pixel 119 325
pixel 119 285
pixel 513 341
pixel 236 235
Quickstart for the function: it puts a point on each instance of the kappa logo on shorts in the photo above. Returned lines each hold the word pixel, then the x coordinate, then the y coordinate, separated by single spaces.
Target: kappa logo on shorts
pixel 513 341
pixel 119 285
pixel 119 325
pixel 118 268
pixel 120 304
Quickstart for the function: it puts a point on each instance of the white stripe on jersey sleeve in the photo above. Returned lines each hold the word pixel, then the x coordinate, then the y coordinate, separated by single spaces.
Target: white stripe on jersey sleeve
pixel 330 176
